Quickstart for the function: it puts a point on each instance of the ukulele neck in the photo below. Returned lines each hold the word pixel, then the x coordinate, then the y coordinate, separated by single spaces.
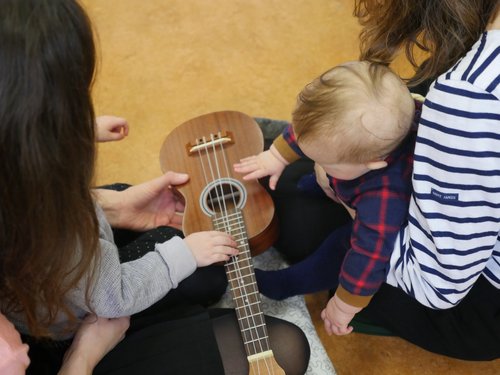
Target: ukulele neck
pixel 243 285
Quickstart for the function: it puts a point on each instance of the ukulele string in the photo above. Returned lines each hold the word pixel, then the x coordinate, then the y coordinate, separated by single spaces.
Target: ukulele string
pixel 207 179
pixel 228 225
pixel 210 178
pixel 268 366
pixel 253 331
pixel 217 178
pixel 200 158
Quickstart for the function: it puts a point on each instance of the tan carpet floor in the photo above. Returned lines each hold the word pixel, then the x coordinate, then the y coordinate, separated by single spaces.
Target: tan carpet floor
pixel 163 62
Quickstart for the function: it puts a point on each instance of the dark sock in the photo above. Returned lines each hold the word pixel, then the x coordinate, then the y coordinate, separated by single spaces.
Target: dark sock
pixel 272 284
pixel 319 271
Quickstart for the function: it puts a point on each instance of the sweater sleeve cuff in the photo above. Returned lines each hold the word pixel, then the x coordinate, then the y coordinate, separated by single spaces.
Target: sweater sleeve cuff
pixel 178 258
pixel 285 150
pixel 352 299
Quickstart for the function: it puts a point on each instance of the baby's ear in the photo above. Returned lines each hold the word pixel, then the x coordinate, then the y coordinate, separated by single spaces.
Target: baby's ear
pixel 377 164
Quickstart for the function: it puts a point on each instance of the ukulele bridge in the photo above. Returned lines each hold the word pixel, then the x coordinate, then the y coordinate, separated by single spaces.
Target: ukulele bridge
pixel 214 140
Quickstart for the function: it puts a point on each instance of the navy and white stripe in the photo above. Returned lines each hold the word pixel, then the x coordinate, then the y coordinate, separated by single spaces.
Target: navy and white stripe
pixel 452 234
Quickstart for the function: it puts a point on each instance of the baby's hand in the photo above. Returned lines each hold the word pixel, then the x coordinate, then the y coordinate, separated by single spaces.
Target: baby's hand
pixel 211 247
pixel 337 315
pixel 111 128
pixel 267 163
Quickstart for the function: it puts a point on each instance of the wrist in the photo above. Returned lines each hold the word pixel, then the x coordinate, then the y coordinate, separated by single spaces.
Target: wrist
pixel 109 201
pixel 345 307
pixel 352 299
pixel 76 363
pixel 274 151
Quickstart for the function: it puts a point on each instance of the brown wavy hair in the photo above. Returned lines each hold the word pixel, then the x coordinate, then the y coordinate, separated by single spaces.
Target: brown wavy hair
pixel 444 29
pixel 49 231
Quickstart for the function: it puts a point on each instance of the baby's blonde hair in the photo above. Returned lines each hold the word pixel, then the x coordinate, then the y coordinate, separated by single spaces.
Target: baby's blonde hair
pixel 362 109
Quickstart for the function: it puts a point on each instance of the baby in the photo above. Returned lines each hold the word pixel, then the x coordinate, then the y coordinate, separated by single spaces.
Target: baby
pixel 354 122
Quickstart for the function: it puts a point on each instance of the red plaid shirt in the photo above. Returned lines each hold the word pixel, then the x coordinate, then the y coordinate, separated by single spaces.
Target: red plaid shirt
pixel 381 199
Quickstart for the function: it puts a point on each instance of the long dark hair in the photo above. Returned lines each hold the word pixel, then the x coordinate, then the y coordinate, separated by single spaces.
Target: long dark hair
pixel 444 29
pixel 48 226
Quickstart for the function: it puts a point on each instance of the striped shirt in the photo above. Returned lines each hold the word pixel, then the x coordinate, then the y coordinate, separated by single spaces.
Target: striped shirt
pixel 452 235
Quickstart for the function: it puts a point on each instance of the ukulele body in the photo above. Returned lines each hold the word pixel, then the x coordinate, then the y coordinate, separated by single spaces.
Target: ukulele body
pixel 206 147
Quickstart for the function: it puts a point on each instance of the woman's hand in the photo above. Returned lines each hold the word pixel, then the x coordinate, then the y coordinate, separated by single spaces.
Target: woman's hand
pixel 145 206
pixel 94 339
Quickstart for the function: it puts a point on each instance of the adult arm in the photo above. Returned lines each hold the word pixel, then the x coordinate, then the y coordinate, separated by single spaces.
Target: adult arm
pixel 13 353
pixel 145 206
pixel 94 339
pixel 120 289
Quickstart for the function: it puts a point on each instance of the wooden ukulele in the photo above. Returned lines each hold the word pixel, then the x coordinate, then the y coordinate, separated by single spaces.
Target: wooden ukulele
pixel 216 198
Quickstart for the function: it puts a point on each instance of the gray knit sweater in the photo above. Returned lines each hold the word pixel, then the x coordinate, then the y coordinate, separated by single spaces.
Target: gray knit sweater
pixel 125 289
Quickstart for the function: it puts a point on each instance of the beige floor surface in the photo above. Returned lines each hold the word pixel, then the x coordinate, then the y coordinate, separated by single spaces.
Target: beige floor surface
pixel 163 62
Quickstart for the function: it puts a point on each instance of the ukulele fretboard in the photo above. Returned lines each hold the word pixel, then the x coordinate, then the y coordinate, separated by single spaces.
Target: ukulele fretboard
pixel 241 278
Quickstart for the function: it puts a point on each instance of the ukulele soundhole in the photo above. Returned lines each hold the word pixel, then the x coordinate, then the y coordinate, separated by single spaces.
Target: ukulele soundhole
pixel 223 196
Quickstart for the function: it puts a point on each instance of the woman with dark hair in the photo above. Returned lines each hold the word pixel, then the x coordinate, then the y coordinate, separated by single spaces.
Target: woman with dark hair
pixel 441 31
pixel 58 256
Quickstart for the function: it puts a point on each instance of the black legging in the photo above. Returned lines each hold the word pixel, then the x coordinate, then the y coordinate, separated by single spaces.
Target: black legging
pixel 190 340
pixel 285 340
pixel 469 331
